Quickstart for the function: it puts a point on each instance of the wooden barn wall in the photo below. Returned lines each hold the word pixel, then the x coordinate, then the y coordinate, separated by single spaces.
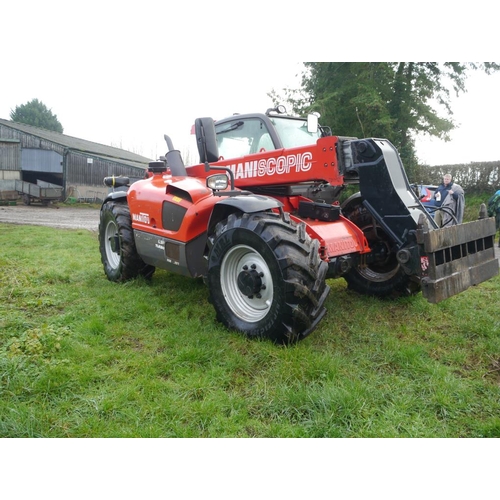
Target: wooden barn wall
pixel 10 155
pixel 80 171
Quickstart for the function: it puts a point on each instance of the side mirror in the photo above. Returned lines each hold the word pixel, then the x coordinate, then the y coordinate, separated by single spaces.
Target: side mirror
pixel 206 140
pixel 312 123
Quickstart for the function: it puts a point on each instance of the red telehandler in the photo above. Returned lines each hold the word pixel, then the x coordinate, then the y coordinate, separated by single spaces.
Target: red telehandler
pixel 259 220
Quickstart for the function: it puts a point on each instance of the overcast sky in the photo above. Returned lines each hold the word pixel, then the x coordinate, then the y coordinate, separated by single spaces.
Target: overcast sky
pixel 125 75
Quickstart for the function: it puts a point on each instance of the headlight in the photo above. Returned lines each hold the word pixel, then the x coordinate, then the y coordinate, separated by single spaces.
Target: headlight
pixel 217 182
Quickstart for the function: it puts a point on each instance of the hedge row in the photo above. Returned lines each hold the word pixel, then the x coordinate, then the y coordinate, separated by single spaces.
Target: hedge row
pixel 474 177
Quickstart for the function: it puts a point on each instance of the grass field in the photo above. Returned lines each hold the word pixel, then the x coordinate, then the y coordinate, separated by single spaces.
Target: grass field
pixel 83 357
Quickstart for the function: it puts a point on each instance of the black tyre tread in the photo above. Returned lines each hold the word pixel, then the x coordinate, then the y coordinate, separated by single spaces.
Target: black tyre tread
pixel 131 265
pixel 303 275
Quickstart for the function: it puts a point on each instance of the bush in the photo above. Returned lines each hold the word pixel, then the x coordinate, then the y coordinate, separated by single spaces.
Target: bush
pixel 474 177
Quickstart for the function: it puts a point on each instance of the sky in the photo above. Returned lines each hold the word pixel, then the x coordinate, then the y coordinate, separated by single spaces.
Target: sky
pixel 476 115
pixel 134 111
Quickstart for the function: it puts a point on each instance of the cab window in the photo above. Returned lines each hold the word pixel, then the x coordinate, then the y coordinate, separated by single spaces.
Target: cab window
pixel 242 137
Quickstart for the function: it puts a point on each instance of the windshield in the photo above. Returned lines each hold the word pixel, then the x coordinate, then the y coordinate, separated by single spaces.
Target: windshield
pixel 293 132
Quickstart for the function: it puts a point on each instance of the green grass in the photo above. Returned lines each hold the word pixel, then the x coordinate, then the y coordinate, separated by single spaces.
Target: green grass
pixel 83 357
pixel 472 205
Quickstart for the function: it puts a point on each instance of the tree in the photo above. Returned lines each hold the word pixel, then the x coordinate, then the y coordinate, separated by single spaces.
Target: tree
pixel 394 100
pixel 37 114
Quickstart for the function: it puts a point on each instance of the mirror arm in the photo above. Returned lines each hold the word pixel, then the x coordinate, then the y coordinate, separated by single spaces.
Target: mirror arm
pixel 226 169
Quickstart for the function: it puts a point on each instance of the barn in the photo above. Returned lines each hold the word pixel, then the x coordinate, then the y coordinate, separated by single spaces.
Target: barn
pixel 33 159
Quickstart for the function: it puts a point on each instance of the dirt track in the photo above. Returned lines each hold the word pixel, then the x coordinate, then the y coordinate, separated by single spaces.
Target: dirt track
pixel 52 216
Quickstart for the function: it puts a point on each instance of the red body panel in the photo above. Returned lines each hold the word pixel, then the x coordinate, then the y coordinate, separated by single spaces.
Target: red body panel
pixel 337 238
pixel 147 197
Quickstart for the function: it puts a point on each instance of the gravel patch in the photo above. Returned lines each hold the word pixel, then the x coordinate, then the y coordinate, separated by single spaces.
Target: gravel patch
pixel 52 216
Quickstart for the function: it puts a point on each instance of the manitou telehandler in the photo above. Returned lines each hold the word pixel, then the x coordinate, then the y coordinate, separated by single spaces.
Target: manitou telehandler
pixel 259 220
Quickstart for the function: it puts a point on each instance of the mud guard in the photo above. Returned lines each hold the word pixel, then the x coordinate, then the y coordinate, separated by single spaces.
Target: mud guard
pixel 115 195
pixel 251 203
pixel 243 203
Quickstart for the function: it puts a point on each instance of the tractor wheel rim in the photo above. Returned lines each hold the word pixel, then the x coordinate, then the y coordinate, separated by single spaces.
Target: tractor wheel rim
pixel 381 271
pixel 111 235
pixel 255 306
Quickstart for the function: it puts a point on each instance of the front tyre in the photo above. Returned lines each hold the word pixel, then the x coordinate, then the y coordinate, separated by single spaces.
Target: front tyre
pixel 265 277
pixel 116 244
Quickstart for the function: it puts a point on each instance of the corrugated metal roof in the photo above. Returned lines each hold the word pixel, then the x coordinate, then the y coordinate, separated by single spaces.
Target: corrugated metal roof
pixel 92 148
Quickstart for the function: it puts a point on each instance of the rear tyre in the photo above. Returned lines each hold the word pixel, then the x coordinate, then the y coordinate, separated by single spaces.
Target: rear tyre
pixel 265 277
pixel 383 276
pixel 116 244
